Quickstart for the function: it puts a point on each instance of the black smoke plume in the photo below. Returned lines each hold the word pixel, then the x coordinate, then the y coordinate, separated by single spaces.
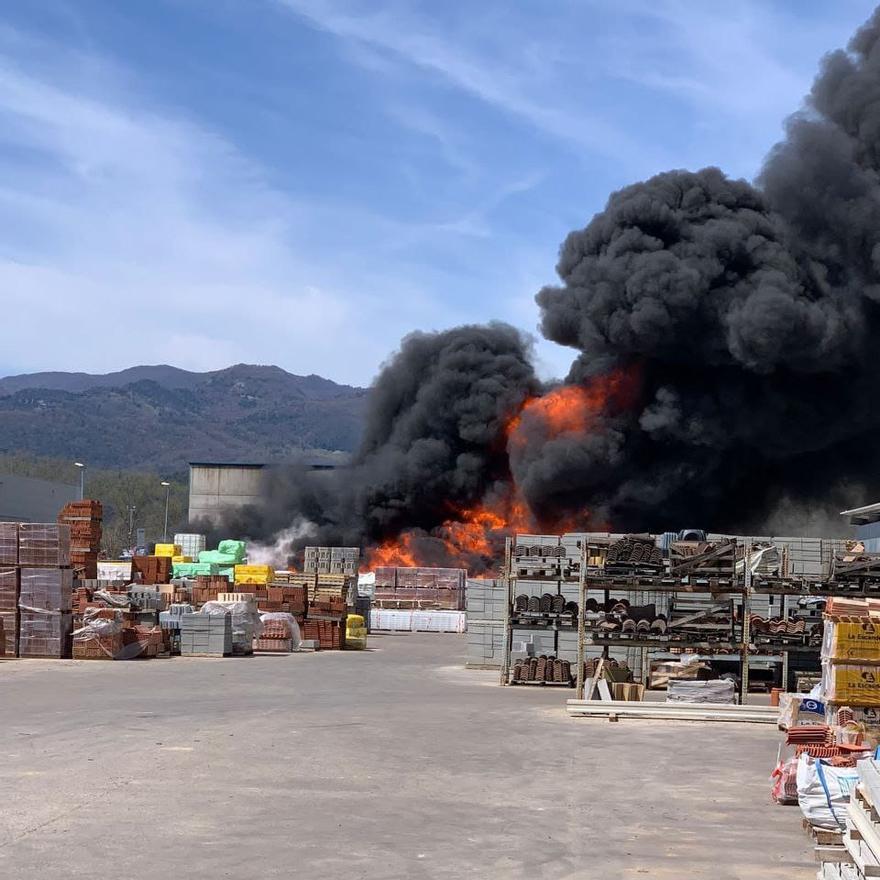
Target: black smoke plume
pixel 434 443
pixel 751 315
pixel 742 319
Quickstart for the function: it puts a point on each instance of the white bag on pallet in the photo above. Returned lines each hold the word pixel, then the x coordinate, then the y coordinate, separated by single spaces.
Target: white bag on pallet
pixel 824 791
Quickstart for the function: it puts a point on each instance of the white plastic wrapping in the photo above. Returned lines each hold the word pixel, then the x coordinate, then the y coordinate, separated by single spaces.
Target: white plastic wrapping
pixel 824 791
pixel 289 620
pixel 246 623
pixel 101 632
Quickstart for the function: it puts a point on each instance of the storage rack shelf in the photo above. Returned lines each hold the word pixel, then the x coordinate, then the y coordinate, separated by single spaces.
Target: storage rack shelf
pixel 739 587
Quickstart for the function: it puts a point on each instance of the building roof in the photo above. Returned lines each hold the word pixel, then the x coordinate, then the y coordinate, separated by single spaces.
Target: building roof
pixel 227 464
pixel 862 515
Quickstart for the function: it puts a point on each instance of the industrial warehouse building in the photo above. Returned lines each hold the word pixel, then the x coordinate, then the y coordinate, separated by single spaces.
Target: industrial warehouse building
pixel 215 486
pixel 27 499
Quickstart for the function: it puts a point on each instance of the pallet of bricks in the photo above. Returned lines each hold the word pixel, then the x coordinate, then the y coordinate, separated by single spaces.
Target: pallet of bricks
pixel 152 570
pixel 441 589
pixel 287 592
pixel 328 596
pixel 45 590
pixel 84 518
pixel 207 588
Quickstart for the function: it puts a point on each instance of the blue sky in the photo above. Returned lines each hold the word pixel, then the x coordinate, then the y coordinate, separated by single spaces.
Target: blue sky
pixel 301 182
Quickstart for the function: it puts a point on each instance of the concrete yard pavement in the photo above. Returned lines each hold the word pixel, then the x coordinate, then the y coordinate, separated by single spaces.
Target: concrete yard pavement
pixel 396 763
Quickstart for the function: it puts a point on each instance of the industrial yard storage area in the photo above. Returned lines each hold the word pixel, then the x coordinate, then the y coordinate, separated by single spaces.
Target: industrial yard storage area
pixel 380 688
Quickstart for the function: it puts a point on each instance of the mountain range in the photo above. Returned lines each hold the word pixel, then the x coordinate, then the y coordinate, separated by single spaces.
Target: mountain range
pixel 160 417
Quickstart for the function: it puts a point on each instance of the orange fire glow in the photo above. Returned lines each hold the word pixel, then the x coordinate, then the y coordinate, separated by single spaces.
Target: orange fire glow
pixel 473 537
pixel 572 409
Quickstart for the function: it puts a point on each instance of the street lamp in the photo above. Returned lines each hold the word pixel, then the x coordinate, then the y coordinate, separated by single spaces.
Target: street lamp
pixel 167 486
pixel 82 479
pixel 131 510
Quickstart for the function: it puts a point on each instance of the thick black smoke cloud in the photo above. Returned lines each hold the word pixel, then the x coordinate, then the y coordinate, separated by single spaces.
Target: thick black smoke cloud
pixel 434 442
pixel 744 321
pixel 751 315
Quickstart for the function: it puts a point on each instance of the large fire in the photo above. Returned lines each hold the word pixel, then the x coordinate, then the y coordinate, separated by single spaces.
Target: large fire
pixel 473 538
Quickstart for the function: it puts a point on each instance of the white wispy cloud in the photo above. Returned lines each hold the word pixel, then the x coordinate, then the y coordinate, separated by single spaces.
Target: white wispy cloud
pixel 519 82
pixel 133 235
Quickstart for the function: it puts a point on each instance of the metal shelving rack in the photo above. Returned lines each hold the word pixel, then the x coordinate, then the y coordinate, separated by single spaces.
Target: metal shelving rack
pixel 745 585
pixel 513 621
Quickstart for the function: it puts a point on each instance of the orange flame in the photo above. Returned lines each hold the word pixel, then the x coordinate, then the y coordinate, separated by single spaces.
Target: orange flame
pixel 573 409
pixel 473 537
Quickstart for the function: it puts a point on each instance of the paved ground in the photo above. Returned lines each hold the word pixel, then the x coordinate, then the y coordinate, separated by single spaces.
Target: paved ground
pixel 394 764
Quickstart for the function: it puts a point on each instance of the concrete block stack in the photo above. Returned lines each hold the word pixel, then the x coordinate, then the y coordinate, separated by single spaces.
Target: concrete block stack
pixel 206 635
pixel 84 518
pixel 486 600
pixel 332 560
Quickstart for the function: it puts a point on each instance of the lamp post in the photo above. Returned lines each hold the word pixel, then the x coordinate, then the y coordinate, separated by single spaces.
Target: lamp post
pixel 131 511
pixel 82 479
pixel 167 486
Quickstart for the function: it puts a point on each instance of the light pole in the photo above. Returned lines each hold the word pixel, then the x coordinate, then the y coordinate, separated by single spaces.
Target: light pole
pixel 167 486
pixel 82 479
pixel 131 511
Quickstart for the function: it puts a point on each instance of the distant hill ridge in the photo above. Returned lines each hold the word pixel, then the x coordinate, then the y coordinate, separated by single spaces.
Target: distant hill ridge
pixel 161 417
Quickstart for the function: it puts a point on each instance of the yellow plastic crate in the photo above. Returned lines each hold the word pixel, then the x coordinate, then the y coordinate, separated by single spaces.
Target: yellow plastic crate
pixel 171 550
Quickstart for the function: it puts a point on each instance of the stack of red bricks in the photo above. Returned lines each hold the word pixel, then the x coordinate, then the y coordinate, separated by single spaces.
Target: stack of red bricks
pixel 207 587
pixel 9 587
pixel 441 588
pixel 281 597
pixel 141 641
pixel 327 606
pixel 85 521
pixel 327 633
pixel 152 570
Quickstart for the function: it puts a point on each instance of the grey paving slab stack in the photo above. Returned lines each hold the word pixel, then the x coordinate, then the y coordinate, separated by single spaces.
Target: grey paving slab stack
pixel 485 600
pixel 206 635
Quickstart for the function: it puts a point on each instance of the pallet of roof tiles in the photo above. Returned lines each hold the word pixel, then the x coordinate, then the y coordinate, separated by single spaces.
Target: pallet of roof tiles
pixel 8 543
pixel 855 566
pixel 43 544
pixel 634 554
pixel 45 634
pixel 703 559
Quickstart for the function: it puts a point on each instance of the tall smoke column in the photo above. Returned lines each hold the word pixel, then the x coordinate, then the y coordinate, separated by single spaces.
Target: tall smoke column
pixel 751 315
pixel 434 442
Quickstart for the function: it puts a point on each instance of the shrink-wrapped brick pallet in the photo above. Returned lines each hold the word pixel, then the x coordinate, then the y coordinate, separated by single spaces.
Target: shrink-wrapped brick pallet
pixel 43 544
pixel 9 610
pixel 8 543
pixel 45 634
pixel 46 589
